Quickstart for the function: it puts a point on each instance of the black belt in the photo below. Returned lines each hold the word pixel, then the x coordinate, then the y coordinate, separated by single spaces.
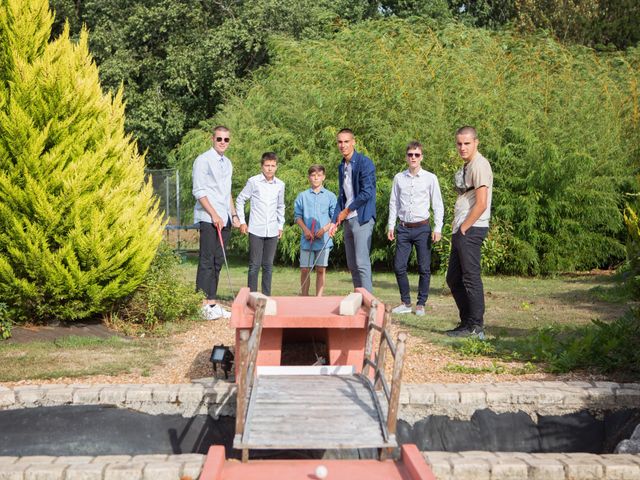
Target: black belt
pixel 414 224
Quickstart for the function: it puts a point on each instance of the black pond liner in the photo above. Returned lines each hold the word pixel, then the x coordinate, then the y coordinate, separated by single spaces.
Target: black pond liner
pixel 104 430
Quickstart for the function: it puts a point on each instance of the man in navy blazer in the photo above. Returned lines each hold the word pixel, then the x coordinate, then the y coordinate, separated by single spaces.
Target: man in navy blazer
pixel 356 208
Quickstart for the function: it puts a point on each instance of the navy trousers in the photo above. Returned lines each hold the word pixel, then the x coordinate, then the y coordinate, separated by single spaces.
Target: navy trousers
pixel 406 239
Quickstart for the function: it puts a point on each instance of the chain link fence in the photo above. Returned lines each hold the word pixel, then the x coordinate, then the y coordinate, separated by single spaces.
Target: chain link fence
pixel 166 187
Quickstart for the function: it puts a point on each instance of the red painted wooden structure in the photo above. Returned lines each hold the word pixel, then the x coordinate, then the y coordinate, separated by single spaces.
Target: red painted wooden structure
pixel 410 466
pixel 344 335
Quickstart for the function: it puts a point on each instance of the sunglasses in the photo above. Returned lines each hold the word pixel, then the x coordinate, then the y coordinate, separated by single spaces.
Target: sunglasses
pixel 411 155
pixel 220 139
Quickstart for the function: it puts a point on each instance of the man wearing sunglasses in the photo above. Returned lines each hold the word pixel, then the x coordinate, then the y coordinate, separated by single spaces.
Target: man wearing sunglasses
pixel 356 208
pixel 413 193
pixel 215 212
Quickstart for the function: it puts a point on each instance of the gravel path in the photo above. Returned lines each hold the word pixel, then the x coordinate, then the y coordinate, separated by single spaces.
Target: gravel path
pixel 424 362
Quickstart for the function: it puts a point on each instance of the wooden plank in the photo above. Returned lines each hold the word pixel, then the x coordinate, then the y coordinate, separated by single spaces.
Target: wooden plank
pixel 303 412
pixel 306 370
pixel 350 442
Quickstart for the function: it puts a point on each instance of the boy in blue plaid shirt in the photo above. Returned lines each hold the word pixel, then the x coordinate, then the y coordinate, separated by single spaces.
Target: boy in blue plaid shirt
pixel 313 211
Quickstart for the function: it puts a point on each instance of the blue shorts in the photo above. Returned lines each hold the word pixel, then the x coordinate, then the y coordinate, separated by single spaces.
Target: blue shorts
pixel 308 257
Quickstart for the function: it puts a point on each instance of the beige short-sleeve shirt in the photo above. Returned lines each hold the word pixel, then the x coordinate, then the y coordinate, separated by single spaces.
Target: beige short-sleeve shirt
pixel 478 173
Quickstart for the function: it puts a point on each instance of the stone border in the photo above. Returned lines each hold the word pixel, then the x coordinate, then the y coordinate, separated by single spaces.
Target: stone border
pixel 536 466
pixel 460 401
pixel 470 465
pixel 111 467
pixel 217 397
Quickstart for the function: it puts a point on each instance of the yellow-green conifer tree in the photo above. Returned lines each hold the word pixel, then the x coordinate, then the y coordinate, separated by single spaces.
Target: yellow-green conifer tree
pixel 78 223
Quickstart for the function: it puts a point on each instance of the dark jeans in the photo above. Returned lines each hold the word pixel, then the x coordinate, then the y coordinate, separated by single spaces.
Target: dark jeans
pixel 262 251
pixel 406 239
pixel 463 276
pixel 210 259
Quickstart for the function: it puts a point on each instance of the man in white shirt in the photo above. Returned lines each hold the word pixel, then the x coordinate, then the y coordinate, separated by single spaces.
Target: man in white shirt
pixel 265 192
pixel 413 193
pixel 474 183
pixel 214 210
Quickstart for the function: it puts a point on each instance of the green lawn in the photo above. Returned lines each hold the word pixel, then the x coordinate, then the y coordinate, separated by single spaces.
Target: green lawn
pixel 515 307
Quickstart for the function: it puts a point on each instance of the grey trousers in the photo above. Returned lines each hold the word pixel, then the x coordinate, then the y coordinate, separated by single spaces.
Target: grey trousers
pixel 262 251
pixel 357 247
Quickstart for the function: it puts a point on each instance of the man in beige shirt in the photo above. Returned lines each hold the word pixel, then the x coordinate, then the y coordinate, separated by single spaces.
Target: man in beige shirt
pixel 474 183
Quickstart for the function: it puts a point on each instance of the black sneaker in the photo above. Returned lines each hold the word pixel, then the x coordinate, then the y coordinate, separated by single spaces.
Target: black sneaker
pixel 459 328
pixel 466 332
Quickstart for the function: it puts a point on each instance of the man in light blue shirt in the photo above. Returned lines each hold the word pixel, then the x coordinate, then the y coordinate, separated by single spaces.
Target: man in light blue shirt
pixel 214 210
pixel 413 193
pixel 313 211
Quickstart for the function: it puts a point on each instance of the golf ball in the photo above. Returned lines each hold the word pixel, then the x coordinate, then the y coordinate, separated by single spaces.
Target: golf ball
pixel 321 472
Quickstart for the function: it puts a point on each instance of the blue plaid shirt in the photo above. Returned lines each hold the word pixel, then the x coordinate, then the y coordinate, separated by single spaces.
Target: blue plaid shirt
pixel 319 207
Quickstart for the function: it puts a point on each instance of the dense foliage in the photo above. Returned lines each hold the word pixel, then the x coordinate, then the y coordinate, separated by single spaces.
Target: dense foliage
pixel 632 221
pixel 178 60
pixel 78 225
pixel 603 24
pixel 559 125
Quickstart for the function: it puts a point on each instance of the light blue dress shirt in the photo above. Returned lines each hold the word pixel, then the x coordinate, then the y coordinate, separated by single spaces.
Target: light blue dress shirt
pixel 211 177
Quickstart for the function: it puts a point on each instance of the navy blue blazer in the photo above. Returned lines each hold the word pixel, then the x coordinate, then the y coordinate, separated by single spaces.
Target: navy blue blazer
pixel 363 176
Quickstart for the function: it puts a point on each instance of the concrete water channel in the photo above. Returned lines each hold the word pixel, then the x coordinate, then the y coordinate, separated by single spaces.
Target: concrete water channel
pixel 518 430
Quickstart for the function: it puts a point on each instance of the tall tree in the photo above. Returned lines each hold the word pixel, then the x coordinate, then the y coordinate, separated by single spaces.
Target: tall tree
pixel 179 59
pixel 78 224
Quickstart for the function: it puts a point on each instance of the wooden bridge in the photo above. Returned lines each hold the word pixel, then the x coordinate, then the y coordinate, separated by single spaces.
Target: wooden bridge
pixel 323 407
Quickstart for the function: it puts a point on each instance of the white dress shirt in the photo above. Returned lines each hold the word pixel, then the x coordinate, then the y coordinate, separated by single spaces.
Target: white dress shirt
pixel 347 186
pixel 412 196
pixel 211 177
pixel 267 205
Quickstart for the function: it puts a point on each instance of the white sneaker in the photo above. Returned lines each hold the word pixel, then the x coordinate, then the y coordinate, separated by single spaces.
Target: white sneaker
pixel 420 311
pixel 402 308
pixel 209 312
pixel 221 311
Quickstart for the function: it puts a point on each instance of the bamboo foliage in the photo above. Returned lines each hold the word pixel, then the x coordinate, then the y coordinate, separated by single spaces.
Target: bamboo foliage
pixel 556 122
pixel 78 223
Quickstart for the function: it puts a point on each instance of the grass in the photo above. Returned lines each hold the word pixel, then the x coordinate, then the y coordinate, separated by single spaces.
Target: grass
pixel 78 356
pixel 515 308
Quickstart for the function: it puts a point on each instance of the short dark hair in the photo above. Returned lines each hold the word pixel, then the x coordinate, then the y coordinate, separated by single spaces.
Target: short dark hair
pixel 268 156
pixel 219 127
pixel 316 167
pixel 413 144
pixel 466 130
pixel 346 130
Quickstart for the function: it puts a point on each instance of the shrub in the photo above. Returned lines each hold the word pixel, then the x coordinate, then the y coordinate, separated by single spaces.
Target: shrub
pixel 78 225
pixel 162 297
pixel 633 247
pixel 607 347
pixel 5 322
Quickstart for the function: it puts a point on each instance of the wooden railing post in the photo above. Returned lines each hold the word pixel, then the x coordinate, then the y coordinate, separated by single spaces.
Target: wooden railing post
pixel 382 346
pixel 368 346
pixel 396 382
pixel 241 371
pixel 249 346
